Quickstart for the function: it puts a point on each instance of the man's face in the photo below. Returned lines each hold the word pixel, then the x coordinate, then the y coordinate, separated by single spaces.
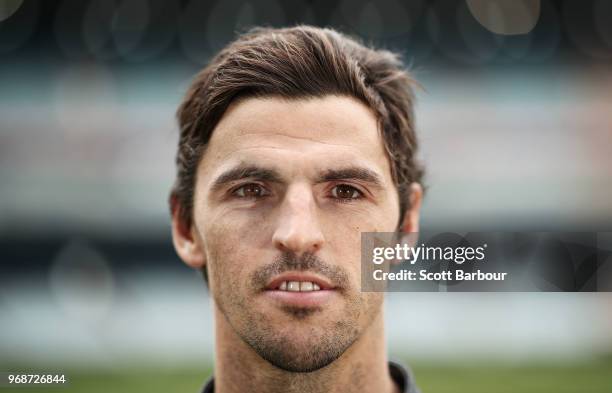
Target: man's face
pixel 283 192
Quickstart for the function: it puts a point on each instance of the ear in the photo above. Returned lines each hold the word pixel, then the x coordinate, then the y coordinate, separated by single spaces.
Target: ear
pixel 410 221
pixel 187 242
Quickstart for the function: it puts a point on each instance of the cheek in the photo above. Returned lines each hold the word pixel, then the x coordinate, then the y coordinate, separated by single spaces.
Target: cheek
pixel 231 245
pixel 372 305
pixel 343 236
pixel 343 239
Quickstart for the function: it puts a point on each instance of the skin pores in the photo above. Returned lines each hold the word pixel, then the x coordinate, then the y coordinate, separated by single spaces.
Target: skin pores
pixel 287 186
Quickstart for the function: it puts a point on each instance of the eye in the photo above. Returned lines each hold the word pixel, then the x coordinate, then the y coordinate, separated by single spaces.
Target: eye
pixel 251 190
pixel 346 192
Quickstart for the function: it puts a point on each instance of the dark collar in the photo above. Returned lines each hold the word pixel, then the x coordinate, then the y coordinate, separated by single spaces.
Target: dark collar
pixel 400 374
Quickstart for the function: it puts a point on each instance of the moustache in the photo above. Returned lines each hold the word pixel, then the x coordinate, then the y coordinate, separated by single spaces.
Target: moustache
pixel 307 262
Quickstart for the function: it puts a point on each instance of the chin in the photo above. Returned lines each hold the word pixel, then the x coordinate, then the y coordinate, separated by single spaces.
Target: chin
pixel 300 347
pixel 295 354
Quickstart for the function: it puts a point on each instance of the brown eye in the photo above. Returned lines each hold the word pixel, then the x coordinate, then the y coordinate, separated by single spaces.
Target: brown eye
pixel 344 191
pixel 250 190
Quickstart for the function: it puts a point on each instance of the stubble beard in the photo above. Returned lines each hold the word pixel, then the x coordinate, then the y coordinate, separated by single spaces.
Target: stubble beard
pixel 308 342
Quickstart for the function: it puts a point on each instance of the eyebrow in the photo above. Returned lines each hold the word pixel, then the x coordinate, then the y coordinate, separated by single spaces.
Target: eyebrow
pixel 351 173
pixel 270 175
pixel 246 172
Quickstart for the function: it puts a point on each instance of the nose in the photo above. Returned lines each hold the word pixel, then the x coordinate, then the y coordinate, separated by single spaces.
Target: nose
pixel 298 228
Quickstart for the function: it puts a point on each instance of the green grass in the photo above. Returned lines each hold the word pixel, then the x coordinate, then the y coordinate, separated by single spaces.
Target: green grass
pixel 472 378
pixel 585 378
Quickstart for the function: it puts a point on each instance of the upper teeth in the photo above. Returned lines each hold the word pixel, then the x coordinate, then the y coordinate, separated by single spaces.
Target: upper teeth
pixel 299 286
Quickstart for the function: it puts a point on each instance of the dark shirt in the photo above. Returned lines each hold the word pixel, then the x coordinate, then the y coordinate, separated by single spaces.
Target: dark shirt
pixel 400 374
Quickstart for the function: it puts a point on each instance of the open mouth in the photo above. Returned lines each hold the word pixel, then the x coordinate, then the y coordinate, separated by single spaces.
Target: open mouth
pixel 299 282
pixel 298 286
pixel 300 290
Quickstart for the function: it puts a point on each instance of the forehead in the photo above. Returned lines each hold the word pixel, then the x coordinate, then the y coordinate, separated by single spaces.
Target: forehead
pixel 297 134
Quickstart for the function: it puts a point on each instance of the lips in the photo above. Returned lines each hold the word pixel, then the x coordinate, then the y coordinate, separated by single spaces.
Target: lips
pixel 300 289
pixel 299 282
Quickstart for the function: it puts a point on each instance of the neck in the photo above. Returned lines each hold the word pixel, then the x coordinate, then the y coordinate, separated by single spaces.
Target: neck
pixel 362 368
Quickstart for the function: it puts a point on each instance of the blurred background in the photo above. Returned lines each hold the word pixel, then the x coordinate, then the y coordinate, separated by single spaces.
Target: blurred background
pixel 515 123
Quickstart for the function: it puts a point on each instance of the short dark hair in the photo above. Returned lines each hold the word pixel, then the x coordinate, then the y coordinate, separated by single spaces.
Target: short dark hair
pixel 298 62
